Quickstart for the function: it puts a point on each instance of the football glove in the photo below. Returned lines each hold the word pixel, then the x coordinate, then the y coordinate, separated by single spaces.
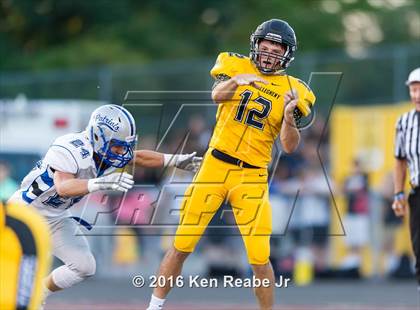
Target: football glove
pixel 115 181
pixel 188 162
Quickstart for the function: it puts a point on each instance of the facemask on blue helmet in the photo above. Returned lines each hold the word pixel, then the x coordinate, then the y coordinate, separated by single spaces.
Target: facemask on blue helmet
pixel 112 132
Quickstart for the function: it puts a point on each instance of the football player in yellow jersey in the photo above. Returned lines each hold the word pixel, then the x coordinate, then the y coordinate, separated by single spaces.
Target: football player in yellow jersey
pixel 24 257
pixel 257 102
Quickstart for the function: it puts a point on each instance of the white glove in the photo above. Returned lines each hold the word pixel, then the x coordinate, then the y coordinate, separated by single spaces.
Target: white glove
pixel 188 162
pixel 115 181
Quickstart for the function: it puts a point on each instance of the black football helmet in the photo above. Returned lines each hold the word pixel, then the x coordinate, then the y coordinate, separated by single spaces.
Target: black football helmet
pixel 279 31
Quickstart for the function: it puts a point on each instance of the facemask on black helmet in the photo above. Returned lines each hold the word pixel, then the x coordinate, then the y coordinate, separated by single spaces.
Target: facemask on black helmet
pixel 274 30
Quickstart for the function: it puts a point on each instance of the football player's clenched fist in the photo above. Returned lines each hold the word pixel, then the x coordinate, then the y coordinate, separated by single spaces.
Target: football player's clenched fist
pixel 290 102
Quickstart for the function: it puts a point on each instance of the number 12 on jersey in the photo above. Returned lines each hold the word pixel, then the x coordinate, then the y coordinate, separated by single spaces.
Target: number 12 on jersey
pixel 253 116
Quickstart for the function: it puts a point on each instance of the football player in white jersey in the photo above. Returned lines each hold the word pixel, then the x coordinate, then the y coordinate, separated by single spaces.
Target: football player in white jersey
pixel 77 164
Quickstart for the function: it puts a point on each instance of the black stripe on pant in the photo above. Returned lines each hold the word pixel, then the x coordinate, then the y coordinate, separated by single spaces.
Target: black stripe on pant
pixel 414 202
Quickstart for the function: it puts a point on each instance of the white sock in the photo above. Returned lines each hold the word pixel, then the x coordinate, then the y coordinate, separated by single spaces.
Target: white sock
pixel 47 292
pixel 156 303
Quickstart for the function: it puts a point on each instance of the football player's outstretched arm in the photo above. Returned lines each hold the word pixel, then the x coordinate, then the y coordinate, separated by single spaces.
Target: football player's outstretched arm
pixel 67 185
pixel 152 159
pixel 149 159
pixel 289 134
pixel 224 90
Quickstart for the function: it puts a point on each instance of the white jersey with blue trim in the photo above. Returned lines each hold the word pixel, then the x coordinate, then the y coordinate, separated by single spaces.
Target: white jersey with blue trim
pixel 71 153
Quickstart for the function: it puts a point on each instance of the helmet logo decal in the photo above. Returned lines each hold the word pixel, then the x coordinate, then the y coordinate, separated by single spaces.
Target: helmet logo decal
pixel 104 120
pixel 112 135
pixel 275 35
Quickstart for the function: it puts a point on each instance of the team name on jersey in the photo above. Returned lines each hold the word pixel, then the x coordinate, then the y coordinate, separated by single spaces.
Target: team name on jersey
pixel 270 92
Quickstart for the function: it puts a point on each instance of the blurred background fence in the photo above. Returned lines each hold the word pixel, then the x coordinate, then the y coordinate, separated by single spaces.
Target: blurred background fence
pixel 374 77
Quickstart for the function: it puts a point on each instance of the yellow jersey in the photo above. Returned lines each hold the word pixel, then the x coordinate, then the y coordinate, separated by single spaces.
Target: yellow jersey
pixel 248 124
pixel 24 257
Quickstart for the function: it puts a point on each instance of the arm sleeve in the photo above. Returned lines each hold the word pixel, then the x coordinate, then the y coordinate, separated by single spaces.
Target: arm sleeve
pixel 220 78
pixel 62 159
pixel 220 71
pixel 399 151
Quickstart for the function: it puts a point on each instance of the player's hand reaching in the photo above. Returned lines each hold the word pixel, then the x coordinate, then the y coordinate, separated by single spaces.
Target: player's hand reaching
pixel 249 79
pixel 188 162
pixel 399 205
pixel 115 181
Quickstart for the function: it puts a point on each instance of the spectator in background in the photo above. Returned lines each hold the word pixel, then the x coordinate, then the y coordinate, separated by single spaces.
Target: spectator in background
pixel 282 194
pixel 302 222
pixel 311 217
pixel 356 221
pixel 7 185
pixel 199 134
pixel 314 200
